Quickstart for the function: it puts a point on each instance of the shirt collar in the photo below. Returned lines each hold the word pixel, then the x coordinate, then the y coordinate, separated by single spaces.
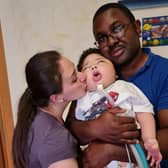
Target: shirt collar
pixel 146 65
pixel 149 55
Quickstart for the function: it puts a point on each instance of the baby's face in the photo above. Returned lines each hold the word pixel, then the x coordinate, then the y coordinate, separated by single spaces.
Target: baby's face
pixel 98 70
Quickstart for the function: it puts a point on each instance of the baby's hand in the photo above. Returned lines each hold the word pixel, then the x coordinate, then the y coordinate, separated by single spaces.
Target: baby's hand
pixel 153 152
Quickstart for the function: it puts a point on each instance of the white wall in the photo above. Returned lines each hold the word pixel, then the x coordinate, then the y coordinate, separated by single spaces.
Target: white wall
pixel 30 26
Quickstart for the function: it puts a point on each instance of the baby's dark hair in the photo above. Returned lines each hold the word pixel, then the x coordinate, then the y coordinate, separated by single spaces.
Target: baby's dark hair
pixel 84 56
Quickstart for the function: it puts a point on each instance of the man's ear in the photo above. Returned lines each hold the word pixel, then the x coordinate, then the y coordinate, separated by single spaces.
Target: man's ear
pixel 138 27
pixel 56 98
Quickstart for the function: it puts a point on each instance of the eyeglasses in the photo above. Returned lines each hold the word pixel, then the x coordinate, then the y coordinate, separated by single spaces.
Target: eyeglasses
pixel 116 32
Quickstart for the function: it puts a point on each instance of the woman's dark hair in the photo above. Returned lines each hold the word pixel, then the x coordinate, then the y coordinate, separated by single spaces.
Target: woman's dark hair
pixel 119 6
pixel 43 78
pixel 84 55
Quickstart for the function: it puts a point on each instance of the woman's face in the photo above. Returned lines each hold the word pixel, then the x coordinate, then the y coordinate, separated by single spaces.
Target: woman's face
pixel 74 83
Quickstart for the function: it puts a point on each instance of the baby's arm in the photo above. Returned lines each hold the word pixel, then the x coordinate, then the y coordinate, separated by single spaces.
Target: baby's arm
pixel 147 123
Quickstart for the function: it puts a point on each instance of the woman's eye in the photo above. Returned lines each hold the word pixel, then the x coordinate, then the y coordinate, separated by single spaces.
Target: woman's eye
pixel 74 80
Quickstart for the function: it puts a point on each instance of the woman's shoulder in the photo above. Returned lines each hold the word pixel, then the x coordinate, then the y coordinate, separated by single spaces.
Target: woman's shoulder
pixel 51 140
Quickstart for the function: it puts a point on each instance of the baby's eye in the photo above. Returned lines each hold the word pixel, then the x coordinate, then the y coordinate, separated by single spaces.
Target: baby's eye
pixel 100 61
pixel 85 68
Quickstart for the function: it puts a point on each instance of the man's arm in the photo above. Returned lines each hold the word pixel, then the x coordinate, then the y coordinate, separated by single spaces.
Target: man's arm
pixel 107 152
pixel 162 133
pixel 99 154
pixel 108 127
pixel 79 128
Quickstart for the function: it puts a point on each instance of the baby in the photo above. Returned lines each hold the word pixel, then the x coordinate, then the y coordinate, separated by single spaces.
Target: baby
pixel 104 92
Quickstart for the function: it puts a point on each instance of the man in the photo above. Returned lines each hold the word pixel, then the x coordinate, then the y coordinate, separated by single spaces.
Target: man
pixel 117 35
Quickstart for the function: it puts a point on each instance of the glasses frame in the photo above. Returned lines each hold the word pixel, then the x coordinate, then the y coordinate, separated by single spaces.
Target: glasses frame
pixel 113 35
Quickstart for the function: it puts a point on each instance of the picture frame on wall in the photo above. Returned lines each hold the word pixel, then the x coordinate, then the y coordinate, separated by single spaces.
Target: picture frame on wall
pixel 143 4
pixel 155 28
pixel 155 31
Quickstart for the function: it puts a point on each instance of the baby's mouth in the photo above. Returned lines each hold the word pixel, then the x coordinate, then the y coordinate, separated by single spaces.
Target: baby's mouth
pixel 96 76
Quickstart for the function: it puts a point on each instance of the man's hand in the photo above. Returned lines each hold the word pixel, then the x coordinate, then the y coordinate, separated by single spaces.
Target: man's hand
pixel 115 129
pixel 107 127
pixel 98 155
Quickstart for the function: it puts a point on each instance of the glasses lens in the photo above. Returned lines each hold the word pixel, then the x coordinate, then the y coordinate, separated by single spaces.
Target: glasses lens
pixel 117 31
pixel 102 42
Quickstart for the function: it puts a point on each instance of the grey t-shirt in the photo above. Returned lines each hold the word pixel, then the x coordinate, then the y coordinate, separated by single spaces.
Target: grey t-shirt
pixel 49 141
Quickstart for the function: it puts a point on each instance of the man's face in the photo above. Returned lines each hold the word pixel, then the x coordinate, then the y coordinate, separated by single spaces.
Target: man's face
pixel 118 38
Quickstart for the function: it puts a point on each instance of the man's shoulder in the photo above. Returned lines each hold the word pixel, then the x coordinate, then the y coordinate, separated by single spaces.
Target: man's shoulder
pixel 156 57
pixel 162 59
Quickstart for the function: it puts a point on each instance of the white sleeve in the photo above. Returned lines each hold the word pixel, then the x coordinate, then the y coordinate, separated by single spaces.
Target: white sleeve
pixel 139 100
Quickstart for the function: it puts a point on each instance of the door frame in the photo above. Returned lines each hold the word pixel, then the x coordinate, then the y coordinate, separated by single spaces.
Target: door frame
pixel 6 115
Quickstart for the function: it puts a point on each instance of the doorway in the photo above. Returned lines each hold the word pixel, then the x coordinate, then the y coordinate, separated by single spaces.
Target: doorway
pixel 6 116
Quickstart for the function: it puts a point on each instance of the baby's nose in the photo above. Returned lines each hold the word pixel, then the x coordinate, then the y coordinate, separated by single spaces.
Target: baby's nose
pixel 93 67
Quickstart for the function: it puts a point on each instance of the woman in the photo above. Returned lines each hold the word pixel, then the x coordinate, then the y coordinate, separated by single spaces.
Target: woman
pixel 40 138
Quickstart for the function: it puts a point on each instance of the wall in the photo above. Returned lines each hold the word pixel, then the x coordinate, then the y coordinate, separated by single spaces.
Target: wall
pixel 35 25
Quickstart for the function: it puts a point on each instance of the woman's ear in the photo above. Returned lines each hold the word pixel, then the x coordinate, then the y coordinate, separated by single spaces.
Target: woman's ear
pixel 56 98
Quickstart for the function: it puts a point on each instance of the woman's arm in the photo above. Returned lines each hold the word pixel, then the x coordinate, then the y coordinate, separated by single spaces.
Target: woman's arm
pixel 72 162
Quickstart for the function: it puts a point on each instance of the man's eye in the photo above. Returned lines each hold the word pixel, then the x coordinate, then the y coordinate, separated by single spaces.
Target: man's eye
pixel 102 38
pixel 117 28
